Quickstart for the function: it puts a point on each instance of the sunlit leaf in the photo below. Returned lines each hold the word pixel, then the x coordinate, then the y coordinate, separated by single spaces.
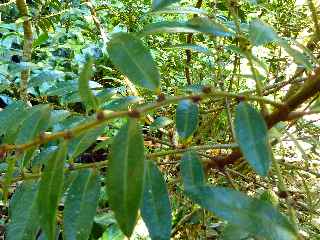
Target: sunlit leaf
pixel 156 210
pixel 126 174
pixel 252 137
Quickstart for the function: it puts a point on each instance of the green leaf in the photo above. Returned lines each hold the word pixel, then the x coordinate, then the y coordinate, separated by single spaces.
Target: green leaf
pixel 84 88
pixel 198 24
pixel 50 190
pixel 10 115
pixel 126 174
pixel 158 4
pixel 261 33
pixel 134 60
pixel 187 118
pixel 194 47
pixel 80 205
pixel 192 170
pixel 252 137
pixel 180 10
pixel 40 40
pixel 160 122
pixel 81 143
pixel 122 103
pixel 254 216
pixel 23 212
pixel 156 210
pixel 298 57
pixel 36 122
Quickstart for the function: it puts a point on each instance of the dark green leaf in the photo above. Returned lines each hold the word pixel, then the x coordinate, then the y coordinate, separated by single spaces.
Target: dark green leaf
pixel 187 118
pixel 126 174
pixel 203 25
pixel 192 170
pixel 156 210
pixel 158 4
pixel 81 143
pixel 133 59
pixel 23 212
pixel 50 190
pixel 80 205
pixel 84 88
pixel 254 216
pixel 252 137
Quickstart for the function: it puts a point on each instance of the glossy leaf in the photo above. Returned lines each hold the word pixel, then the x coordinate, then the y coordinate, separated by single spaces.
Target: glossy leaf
pixel 187 118
pixel 254 216
pixel 198 24
pixel 192 170
pixel 252 137
pixel 84 88
pixel 156 210
pixel 134 60
pixel 261 33
pixel 126 174
pixel 50 190
pixel 158 4
pixel 80 205
pixel 23 212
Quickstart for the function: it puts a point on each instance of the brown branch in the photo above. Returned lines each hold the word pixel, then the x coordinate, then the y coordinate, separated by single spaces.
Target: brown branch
pixel 27 47
pixel 188 51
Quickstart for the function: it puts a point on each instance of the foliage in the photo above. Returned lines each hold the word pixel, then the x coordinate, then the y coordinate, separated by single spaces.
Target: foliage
pixel 195 120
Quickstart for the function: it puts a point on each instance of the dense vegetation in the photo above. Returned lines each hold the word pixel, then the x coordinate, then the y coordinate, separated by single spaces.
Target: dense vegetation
pixel 160 119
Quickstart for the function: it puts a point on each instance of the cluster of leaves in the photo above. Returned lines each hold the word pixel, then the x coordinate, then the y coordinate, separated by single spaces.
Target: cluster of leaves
pixel 112 131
